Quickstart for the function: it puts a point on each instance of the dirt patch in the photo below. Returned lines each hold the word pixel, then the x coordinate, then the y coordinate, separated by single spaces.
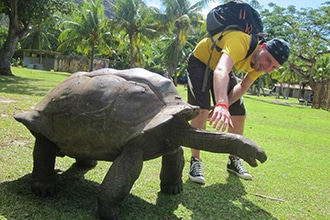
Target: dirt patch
pixel 283 103
pixel 6 100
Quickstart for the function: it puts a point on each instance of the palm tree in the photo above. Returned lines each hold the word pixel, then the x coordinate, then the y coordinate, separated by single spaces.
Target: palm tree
pixel 43 35
pixel 133 19
pixel 285 75
pixel 87 30
pixel 180 17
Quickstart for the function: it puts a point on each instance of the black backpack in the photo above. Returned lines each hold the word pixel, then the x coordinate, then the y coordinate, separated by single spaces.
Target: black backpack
pixel 234 15
pixel 237 15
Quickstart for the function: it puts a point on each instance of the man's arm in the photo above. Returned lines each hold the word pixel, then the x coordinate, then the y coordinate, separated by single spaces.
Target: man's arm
pixel 239 90
pixel 221 116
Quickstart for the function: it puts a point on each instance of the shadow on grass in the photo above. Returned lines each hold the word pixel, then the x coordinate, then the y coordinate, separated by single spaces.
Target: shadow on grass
pixel 77 199
pixel 277 102
pixel 31 85
pixel 21 86
pixel 217 201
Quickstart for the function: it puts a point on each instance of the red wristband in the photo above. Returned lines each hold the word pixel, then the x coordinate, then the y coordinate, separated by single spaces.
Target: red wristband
pixel 222 105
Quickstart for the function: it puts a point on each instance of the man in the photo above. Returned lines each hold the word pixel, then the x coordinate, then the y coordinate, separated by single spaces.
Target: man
pixel 229 111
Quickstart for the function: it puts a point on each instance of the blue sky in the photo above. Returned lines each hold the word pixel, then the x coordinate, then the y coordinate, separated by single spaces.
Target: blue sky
pixel 283 3
pixel 298 3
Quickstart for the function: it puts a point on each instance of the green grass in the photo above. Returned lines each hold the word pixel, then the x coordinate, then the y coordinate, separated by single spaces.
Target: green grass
pixel 294 179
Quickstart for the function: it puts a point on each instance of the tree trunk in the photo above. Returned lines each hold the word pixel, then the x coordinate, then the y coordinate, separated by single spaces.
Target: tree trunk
pixel 7 52
pixel 131 48
pixel 91 59
pixel 322 95
pixel 5 58
pixel 15 33
pixel 171 69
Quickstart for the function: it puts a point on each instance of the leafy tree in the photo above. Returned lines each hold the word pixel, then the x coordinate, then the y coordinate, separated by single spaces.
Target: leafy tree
pixel 43 35
pixel 307 32
pixel 22 14
pixel 255 4
pixel 86 32
pixel 134 20
pixel 181 18
pixel 322 68
pixel 322 83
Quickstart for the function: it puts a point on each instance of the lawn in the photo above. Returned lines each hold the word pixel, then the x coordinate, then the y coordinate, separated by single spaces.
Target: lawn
pixel 292 184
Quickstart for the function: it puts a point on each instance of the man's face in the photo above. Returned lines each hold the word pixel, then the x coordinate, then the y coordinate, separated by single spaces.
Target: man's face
pixel 263 61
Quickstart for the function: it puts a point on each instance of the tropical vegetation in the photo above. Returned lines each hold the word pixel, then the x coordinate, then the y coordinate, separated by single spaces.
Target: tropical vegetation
pixel 137 35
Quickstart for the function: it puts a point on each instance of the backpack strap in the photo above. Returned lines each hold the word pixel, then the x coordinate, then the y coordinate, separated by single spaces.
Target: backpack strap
pixel 252 46
pixel 207 69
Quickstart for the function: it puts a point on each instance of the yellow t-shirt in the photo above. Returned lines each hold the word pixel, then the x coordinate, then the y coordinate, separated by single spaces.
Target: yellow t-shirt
pixel 235 44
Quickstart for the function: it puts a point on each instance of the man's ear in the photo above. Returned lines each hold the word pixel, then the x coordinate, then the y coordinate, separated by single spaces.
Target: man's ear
pixel 263 45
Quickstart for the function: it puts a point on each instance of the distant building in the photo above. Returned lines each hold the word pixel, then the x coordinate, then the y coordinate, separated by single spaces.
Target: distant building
pixel 292 90
pixel 50 60
pixel 39 59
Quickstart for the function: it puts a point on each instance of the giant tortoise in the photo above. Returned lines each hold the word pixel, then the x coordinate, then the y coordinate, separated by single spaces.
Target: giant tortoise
pixel 123 116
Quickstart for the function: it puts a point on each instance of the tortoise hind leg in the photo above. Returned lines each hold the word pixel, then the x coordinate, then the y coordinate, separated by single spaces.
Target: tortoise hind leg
pixel 43 174
pixel 171 173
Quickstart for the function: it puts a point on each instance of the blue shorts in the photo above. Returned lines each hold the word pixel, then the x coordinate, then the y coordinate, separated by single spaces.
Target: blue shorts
pixel 196 96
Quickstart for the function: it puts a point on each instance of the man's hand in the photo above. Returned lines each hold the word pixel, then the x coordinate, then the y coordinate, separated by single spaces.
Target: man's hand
pixel 220 118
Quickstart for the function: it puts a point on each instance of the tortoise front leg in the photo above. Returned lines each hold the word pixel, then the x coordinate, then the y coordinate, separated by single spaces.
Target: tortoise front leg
pixel 43 174
pixel 171 173
pixel 119 180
